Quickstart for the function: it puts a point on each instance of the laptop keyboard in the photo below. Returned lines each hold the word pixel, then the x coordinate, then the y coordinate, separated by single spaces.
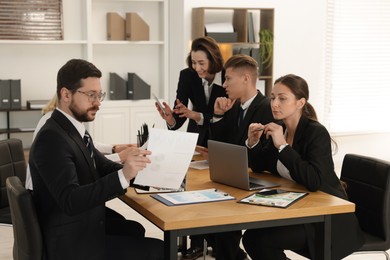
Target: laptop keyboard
pixel 253 183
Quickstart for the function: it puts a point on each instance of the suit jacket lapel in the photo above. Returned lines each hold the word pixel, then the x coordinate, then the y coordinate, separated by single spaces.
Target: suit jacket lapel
pixel 75 136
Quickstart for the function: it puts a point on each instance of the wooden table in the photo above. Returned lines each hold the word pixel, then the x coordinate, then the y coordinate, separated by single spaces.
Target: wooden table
pixel 177 221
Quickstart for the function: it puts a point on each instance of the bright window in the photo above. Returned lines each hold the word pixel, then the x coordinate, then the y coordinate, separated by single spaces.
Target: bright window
pixel 357 75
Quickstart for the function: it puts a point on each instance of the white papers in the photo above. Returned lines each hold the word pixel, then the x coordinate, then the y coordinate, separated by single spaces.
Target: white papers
pixel 172 152
pixel 219 27
pixel 199 165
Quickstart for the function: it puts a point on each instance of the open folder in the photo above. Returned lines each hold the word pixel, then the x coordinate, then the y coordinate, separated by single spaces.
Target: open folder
pixel 191 197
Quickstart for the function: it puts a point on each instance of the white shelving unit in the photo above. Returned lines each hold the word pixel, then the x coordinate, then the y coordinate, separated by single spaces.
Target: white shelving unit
pixel 36 63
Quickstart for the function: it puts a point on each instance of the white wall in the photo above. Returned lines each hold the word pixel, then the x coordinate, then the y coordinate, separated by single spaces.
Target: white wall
pixel 299 45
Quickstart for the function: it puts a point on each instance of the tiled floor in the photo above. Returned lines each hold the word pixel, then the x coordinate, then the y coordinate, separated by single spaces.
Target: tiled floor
pixel 6 235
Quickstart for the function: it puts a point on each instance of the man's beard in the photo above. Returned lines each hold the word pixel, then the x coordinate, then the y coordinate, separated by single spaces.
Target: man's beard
pixel 82 116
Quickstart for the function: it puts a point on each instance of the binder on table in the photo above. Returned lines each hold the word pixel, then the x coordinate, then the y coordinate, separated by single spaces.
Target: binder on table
pixel 16 96
pixel 136 28
pixel 118 87
pixel 5 95
pixel 137 88
pixel 115 27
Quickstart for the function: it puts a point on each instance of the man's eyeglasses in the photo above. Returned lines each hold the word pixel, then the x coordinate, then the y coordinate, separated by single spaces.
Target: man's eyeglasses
pixel 93 96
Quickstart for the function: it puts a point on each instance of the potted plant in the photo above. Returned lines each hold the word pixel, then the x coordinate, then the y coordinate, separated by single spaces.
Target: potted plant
pixel 266 47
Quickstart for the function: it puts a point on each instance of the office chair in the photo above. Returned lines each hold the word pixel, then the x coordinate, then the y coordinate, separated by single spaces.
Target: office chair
pixel 28 244
pixel 368 186
pixel 12 163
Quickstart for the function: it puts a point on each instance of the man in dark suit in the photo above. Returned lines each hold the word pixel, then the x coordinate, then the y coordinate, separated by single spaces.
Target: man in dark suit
pixel 232 117
pixel 72 180
pixel 245 105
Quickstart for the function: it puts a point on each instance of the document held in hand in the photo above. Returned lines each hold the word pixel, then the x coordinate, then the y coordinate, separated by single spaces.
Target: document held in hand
pixel 172 152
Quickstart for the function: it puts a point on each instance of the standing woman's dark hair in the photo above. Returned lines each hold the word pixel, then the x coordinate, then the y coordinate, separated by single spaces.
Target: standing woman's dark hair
pixel 300 89
pixel 210 47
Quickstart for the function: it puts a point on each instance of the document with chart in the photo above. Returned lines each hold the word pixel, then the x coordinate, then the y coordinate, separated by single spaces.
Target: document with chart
pixel 191 197
pixel 172 152
pixel 274 198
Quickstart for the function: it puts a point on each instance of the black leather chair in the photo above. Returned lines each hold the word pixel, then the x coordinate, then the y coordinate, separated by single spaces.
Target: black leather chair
pixel 12 163
pixel 368 186
pixel 28 244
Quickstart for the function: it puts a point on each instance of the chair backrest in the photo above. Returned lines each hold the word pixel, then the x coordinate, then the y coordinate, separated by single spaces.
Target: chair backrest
pixel 27 232
pixel 12 163
pixel 368 186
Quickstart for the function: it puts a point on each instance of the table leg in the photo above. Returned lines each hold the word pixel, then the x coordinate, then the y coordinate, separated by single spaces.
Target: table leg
pixel 323 239
pixel 170 245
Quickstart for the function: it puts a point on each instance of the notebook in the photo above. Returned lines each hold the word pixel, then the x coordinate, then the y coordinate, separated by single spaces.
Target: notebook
pixel 228 164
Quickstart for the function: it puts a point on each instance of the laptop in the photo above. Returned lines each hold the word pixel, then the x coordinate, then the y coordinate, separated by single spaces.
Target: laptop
pixel 228 164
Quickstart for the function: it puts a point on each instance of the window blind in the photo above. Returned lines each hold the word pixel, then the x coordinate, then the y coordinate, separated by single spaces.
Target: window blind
pixel 357 66
pixel 31 20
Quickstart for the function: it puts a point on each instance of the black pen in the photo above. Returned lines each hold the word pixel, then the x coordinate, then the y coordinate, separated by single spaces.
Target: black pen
pixel 258 129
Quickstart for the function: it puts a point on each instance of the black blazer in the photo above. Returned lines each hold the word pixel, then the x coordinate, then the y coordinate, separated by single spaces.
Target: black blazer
pixel 227 129
pixel 310 163
pixel 69 192
pixel 190 88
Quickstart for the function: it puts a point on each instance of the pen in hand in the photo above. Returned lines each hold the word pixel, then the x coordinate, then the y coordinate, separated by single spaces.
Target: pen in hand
pixel 258 130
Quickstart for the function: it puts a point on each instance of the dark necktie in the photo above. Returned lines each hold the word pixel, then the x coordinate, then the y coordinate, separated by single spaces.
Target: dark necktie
pixel 241 117
pixel 88 143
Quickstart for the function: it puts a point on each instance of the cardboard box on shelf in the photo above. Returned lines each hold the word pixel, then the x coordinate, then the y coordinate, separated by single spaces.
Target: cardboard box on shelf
pixel 115 27
pixel 136 28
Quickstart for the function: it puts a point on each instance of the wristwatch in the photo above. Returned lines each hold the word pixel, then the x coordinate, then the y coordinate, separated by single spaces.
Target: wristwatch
pixel 282 147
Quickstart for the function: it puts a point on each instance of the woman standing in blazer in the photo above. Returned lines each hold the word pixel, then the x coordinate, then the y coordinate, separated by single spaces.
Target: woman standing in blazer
pixel 301 151
pixel 200 83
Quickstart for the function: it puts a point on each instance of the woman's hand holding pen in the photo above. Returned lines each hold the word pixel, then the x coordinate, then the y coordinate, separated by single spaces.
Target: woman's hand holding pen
pixel 276 132
pixel 255 130
pixel 181 110
pixel 167 116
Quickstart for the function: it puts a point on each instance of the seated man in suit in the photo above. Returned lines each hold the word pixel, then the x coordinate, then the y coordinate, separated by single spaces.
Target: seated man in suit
pixel 73 180
pixel 232 117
